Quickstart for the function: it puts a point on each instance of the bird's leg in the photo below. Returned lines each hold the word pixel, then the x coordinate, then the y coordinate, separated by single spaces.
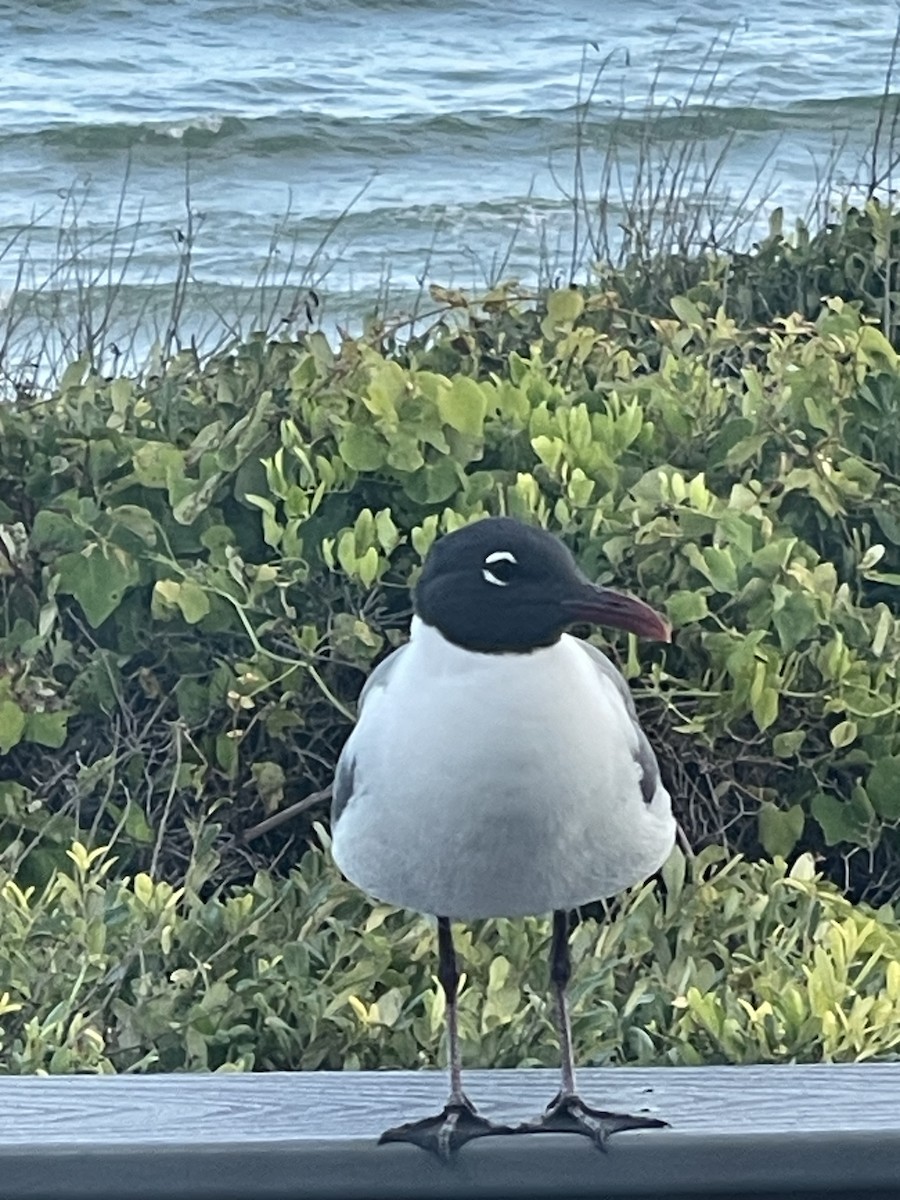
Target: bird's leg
pixel 560 974
pixel 567 1112
pixel 458 1122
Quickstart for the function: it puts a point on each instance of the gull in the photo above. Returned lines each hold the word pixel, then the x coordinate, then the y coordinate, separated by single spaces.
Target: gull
pixel 498 769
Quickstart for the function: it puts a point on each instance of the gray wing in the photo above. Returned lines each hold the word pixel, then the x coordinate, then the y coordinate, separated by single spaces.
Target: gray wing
pixel 345 772
pixel 643 752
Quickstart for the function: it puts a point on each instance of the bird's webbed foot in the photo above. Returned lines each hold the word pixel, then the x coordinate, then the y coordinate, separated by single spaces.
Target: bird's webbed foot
pixel 447 1131
pixel 570 1114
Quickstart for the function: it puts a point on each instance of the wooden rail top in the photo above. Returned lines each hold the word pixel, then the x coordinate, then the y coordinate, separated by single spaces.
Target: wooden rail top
pixel 736 1131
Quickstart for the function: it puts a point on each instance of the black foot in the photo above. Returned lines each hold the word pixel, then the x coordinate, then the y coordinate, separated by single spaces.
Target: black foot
pixel 447 1131
pixel 570 1114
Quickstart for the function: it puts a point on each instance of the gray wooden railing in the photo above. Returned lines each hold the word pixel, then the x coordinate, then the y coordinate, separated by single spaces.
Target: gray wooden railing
pixel 736 1131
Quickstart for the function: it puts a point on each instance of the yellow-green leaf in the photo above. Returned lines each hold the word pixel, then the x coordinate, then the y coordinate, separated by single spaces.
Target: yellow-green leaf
pixel 47 728
pixel 687 311
pixel 362 449
pixel 843 734
pixel 12 725
pixel 765 708
pixel 686 607
pixel 463 407
pixel 367 567
pixel 565 306
pixel 193 601
pixel 385 391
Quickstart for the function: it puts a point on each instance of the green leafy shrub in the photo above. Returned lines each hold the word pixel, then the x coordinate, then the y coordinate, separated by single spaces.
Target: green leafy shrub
pixel 199 568
pixel 853 256
pixel 738 962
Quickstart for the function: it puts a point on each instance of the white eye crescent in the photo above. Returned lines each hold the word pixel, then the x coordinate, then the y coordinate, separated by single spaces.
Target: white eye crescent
pixel 493 559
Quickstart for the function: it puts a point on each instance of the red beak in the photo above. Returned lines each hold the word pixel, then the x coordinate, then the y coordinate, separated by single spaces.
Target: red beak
pixel 602 606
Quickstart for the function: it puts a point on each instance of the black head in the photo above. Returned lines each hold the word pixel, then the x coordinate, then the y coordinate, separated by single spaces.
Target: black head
pixel 501 586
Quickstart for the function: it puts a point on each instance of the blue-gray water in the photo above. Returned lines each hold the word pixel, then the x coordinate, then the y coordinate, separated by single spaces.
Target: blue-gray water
pixel 456 118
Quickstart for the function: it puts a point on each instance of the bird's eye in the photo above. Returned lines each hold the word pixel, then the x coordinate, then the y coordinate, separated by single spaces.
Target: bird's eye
pixel 499 567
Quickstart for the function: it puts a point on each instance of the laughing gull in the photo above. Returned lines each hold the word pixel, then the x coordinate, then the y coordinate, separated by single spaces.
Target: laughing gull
pixel 497 769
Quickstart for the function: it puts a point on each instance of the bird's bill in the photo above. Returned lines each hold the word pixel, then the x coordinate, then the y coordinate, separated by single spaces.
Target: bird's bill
pixel 602 606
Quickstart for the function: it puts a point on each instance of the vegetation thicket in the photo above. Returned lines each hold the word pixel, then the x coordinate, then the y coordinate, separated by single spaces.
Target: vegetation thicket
pixel 199 566
pixel 736 963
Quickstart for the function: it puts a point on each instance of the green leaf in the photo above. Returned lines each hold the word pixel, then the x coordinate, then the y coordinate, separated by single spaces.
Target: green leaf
pixel 883 788
pixel 192 500
pixel 193 601
pixel 715 564
pixel 138 520
pixel 780 829
pixel 836 819
pixel 882 629
pixel 207 439
pixel 550 450
pixel 47 728
pixel 98 577
pixel 388 534
pixel 565 306
pixel 684 608
pixel 765 707
pixel 405 454
pixel 385 391
pixel 463 406
pixel 12 725
pixel 423 536
pixel 795 621
pixel 269 780
pixel 164 599
pixel 346 552
pixel 503 998
pixel 687 311
pixel 195 703
pixel 367 566
pixel 786 745
pixel 227 754
pixel 74 374
pixel 876 349
pixel 321 348
pixel 434 483
pixel 155 462
pixel 55 533
pixel 843 734
pixel 362 449
pixel 136 824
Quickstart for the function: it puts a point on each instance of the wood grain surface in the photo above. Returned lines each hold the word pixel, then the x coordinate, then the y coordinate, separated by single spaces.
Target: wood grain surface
pixel 824 1129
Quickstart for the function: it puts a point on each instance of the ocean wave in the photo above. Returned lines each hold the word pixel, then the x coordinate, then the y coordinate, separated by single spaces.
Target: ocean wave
pixel 286 132
pixel 298 134
pixel 392 229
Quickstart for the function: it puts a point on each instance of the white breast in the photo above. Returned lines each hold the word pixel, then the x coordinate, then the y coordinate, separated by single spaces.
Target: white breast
pixel 497 785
